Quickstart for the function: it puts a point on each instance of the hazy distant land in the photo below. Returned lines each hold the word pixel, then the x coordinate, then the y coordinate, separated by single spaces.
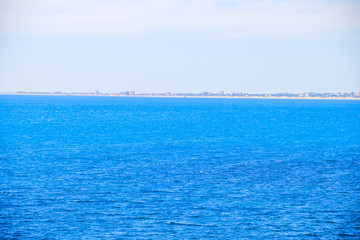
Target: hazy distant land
pixel 221 94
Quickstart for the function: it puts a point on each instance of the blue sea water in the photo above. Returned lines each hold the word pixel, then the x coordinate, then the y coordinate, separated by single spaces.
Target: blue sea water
pixel 178 168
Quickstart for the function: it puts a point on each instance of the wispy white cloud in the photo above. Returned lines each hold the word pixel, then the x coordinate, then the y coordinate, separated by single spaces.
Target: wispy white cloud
pixel 226 18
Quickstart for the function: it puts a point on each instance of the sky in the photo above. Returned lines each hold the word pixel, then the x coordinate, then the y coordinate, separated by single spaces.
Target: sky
pixel 258 46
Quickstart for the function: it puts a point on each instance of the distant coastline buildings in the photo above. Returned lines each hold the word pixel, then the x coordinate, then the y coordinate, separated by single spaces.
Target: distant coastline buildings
pixel 220 94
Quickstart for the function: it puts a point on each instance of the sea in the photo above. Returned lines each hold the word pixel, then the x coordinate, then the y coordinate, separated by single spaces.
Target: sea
pixel 82 167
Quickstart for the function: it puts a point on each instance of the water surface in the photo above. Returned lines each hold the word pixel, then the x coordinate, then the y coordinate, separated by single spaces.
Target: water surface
pixel 178 168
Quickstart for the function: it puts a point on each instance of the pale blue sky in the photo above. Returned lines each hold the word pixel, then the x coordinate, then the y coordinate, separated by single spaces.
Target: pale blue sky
pixel 180 46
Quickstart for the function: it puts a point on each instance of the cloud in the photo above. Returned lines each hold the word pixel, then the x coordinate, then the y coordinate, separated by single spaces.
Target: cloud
pixel 226 18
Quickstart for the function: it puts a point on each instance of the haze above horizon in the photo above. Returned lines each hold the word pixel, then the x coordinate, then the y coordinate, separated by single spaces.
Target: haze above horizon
pixel 263 46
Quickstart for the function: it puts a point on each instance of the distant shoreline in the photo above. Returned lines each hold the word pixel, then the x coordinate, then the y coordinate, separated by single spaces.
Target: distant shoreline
pixel 178 96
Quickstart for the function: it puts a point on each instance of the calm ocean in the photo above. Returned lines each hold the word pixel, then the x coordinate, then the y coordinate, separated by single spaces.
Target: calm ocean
pixel 178 168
